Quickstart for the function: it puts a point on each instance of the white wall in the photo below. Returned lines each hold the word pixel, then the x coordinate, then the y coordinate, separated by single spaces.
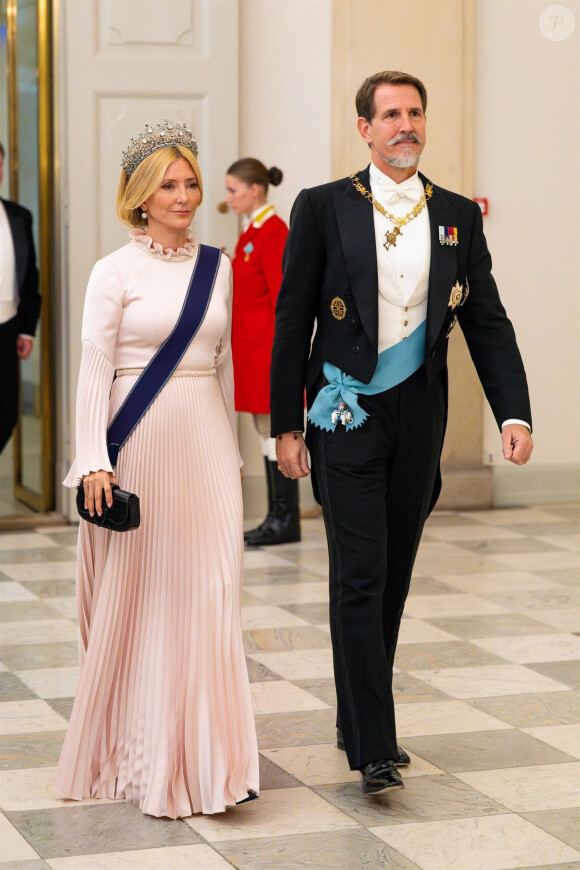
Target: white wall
pixel 526 163
pixel 285 98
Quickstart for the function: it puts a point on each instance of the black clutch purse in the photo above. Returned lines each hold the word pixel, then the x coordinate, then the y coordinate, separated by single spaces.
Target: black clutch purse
pixel 122 516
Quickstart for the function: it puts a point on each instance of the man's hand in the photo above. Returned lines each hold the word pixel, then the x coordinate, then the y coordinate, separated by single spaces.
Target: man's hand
pixel 517 444
pixel 23 346
pixel 292 455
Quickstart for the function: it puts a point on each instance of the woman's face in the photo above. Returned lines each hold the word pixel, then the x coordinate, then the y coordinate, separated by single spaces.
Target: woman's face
pixel 172 207
pixel 242 198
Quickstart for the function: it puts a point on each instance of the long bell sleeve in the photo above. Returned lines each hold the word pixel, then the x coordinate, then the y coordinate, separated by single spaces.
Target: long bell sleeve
pixel 101 318
pixel 224 363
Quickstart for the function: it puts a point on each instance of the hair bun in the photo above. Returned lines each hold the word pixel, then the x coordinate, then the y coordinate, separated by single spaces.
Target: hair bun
pixel 275 175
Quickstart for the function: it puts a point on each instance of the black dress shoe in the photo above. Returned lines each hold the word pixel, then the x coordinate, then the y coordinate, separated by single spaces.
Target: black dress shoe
pixel 380 776
pixel 401 760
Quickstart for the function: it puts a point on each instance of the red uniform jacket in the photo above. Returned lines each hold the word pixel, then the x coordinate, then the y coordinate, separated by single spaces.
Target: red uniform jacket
pixel 257 268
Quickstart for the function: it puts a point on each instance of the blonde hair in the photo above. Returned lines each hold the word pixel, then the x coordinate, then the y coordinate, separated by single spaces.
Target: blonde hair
pixel 147 179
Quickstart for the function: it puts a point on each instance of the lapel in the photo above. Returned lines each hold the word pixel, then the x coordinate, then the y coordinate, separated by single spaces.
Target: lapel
pixel 354 215
pixel 443 266
pixel 18 238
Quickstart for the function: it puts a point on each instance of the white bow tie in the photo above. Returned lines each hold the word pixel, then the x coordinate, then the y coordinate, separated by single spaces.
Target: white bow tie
pixel 411 189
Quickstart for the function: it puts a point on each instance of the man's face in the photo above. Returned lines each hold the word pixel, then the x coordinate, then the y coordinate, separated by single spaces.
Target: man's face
pixel 397 133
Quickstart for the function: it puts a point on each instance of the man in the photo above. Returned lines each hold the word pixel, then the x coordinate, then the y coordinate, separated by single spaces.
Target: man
pixel 19 303
pixel 383 264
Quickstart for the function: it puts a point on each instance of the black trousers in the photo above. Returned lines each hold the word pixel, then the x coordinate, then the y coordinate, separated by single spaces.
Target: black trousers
pixel 9 380
pixel 375 486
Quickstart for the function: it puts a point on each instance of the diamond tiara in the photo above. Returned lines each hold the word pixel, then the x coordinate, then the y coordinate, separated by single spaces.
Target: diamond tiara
pixel 153 138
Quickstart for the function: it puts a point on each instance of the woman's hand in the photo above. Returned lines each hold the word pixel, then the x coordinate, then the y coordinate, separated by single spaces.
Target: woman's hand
pixel 94 484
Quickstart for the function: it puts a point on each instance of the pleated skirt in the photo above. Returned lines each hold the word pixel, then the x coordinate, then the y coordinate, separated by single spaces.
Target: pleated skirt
pixel 163 713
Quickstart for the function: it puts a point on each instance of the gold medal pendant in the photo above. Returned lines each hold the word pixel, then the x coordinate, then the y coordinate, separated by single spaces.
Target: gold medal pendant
pixel 391 238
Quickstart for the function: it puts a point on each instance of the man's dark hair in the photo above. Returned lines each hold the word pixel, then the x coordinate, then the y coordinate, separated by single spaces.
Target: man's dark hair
pixel 365 98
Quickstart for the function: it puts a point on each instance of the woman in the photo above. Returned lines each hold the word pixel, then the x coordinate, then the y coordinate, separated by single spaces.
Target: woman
pixel 163 714
pixel 257 267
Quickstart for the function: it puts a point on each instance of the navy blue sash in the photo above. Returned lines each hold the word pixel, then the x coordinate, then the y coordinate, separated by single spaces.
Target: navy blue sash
pixel 155 375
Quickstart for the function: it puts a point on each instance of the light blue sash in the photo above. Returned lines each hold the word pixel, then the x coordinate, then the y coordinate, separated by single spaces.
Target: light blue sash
pixel 394 365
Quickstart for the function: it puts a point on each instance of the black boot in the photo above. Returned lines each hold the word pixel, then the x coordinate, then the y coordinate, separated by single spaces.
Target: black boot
pixel 270 488
pixel 282 525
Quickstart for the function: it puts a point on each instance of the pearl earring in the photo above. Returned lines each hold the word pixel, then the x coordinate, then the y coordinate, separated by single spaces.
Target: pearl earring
pixel 144 215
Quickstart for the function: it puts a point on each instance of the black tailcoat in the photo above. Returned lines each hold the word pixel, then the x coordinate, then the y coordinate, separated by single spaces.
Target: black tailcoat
pixel 20 220
pixel 331 252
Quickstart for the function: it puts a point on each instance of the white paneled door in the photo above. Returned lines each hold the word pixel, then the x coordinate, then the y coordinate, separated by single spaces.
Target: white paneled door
pixel 124 63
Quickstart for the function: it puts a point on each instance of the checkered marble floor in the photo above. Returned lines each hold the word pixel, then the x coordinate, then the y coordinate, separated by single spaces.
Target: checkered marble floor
pixel 487 687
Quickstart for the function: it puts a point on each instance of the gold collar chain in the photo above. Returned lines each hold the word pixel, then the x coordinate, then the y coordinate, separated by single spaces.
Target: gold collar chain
pixel 391 237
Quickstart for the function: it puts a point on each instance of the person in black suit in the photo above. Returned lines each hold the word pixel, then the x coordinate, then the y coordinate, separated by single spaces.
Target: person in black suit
pixel 383 264
pixel 19 303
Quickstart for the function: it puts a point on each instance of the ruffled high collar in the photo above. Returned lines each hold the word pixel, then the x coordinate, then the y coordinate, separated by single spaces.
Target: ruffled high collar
pixel 140 238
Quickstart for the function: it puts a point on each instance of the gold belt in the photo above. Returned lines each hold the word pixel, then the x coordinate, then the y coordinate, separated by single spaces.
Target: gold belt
pixel 179 373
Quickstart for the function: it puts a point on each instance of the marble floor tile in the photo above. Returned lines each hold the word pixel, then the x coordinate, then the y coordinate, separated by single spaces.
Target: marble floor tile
pixel 494 843
pixel 323 688
pixel 539 561
pixel 278 813
pixel 24 717
pixel 62 706
pixel 295 729
pixel 314 613
pixel 14 846
pixel 11 591
pixel 278 576
pixel 564 578
pixel 520 544
pixel 422 584
pixel 259 673
pixel 515 517
pixel 565 672
pixel 40 655
pixel 564 737
pixel 567 542
pixel 51 588
pixel 25 541
pixel 533 648
pixel 337 850
pixel 474 532
pixel 521 711
pixel 488 681
pixel 443 717
pixel 488 583
pixel 197 857
pixel 461 604
pixel 268 616
pixel 57 554
pixel 292 593
pixel 441 558
pixel 20 611
pixel 263 559
pixel 424 798
pixel 281 696
pixel 565 620
pixel 272 776
pixel 28 750
pixel 529 789
pixel 31 789
pixel 562 824
pixel 51 682
pixel 484 750
pixel 65 607
pixel 497 624
pixel 314 764
pixel 298 664
pixel 40 571
pixel 419 631
pixel 86 829
pixel 407 689
pixel 276 640
pixel 30 864
pixel 444 654
pixel 13 689
pixel 50 630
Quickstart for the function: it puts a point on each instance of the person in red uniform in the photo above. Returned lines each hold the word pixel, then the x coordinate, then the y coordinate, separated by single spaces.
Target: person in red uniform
pixel 257 268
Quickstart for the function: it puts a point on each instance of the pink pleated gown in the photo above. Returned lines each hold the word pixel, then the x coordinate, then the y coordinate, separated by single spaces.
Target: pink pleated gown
pixel 163 713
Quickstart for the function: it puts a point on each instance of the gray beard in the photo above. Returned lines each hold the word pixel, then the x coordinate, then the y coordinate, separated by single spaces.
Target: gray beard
pixel 404 161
